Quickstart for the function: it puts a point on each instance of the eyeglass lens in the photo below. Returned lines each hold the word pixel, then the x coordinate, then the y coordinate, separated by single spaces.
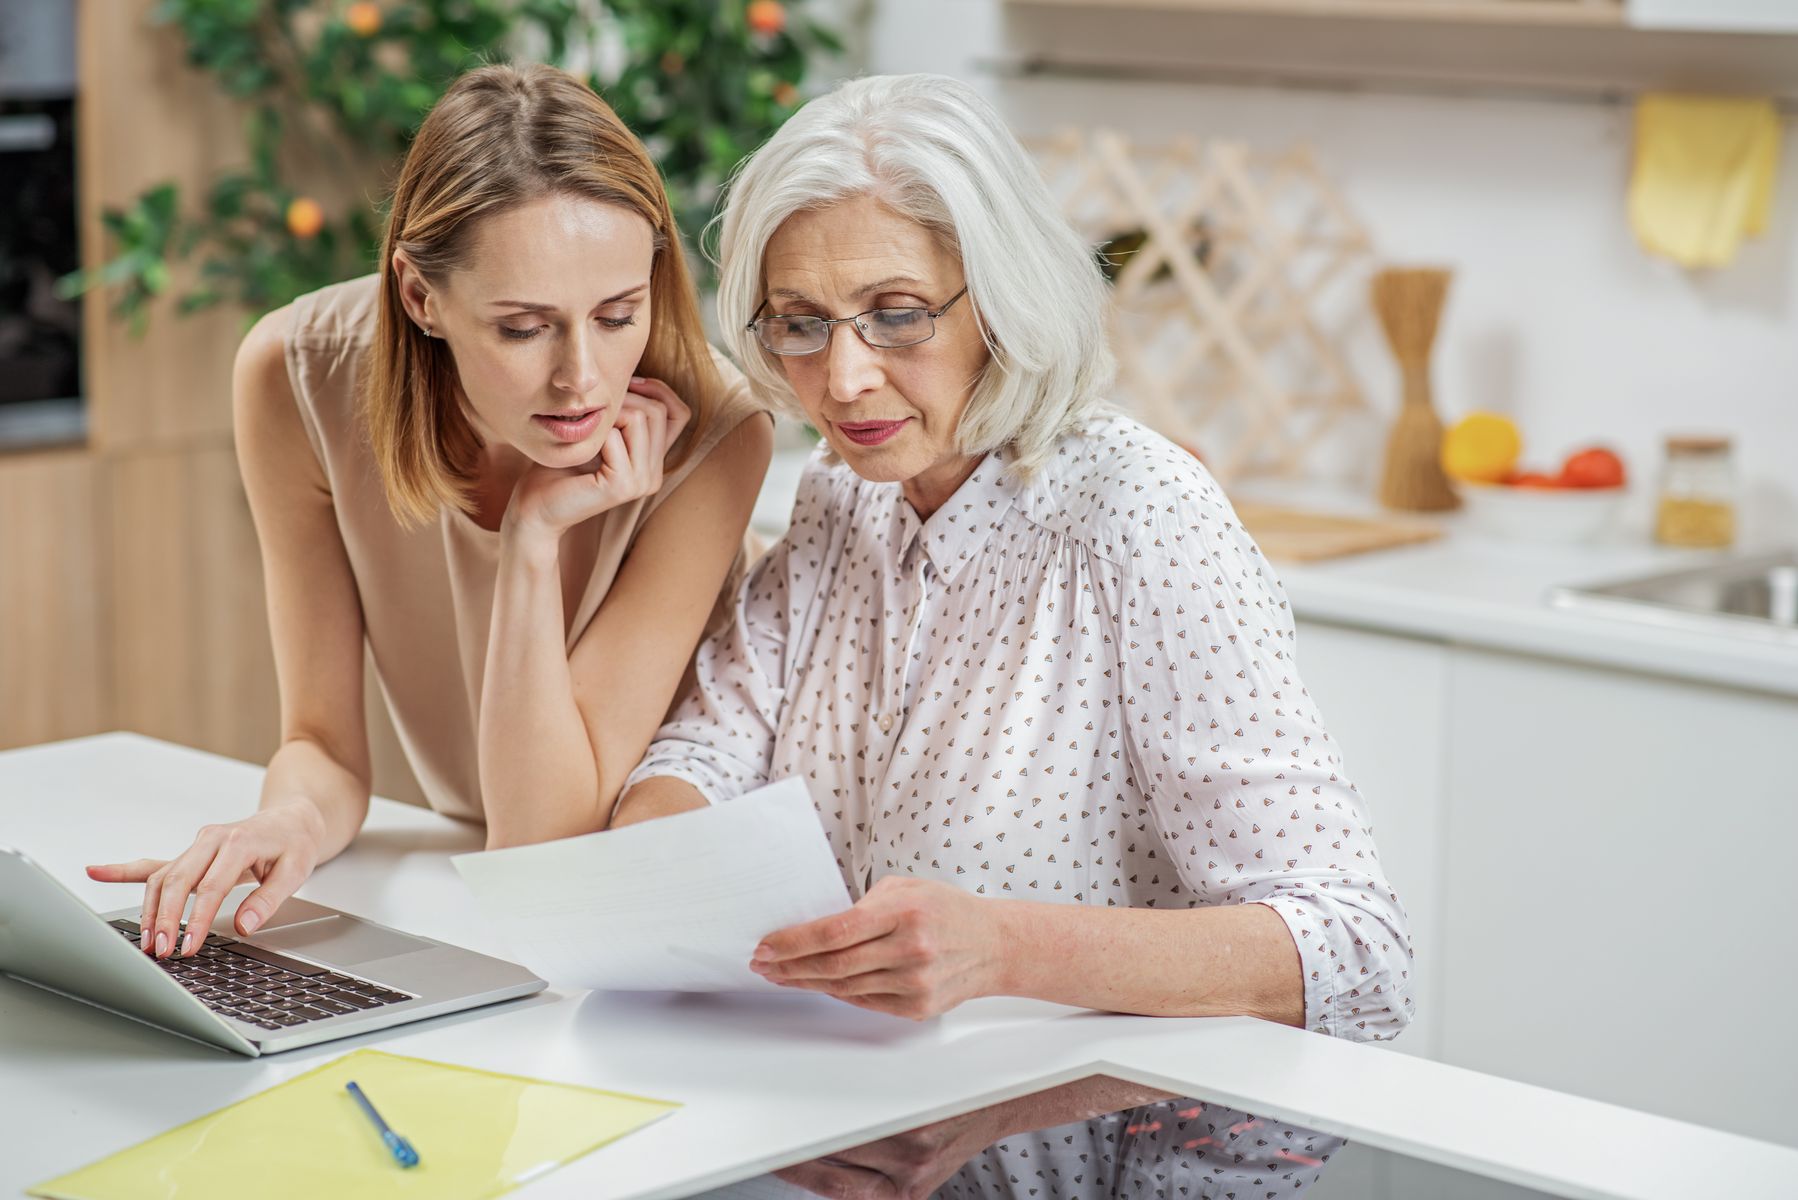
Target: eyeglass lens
pixel 884 327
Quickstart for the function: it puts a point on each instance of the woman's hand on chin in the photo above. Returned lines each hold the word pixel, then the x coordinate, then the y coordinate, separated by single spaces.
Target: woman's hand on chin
pixel 911 947
pixel 547 501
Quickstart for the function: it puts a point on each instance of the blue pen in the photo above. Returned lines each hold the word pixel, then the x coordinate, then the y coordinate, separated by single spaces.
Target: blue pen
pixel 402 1149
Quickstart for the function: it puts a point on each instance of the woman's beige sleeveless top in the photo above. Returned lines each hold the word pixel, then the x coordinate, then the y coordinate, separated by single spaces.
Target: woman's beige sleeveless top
pixel 427 592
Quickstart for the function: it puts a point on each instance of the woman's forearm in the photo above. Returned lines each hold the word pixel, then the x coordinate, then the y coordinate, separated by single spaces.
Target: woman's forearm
pixel 1228 960
pixel 540 774
pixel 306 775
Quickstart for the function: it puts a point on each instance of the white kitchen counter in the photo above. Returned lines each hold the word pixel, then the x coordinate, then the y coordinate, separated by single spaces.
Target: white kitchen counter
pixel 1476 591
pixel 1482 592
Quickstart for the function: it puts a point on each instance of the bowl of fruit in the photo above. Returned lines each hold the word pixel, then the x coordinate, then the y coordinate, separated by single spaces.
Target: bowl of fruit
pixel 1577 502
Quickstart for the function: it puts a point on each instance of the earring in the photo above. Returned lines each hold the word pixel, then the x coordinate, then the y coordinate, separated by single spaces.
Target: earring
pixel 428 331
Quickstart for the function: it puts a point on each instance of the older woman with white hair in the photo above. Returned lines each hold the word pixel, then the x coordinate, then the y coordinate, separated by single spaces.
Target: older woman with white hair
pixel 1040 682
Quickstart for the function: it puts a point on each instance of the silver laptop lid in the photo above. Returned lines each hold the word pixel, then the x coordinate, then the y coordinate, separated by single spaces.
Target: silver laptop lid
pixel 50 938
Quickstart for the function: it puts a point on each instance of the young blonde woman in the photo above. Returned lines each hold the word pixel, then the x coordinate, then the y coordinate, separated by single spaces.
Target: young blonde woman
pixel 510 467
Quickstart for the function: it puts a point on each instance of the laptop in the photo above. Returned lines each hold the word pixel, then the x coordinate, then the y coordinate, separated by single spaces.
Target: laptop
pixel 312 974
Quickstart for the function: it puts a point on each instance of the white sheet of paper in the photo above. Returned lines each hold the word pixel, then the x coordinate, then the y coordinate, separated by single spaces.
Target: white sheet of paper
pixel 676 904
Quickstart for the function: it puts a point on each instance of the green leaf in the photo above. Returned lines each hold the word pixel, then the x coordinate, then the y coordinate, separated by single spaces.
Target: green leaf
pixel 194 302
pixel 155 275
pixel 823 37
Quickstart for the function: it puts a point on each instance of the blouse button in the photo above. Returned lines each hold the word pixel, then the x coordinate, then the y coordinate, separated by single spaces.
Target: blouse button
pixel 885 723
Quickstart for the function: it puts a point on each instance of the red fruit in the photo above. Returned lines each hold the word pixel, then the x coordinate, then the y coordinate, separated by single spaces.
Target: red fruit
pixel 1593 468
pixel 1534 479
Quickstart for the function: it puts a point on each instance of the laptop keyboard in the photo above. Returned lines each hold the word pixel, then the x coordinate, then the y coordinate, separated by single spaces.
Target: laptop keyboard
pixel 263 988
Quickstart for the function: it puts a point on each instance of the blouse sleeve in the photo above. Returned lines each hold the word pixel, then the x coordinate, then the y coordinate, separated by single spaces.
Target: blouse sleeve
pixel 1243 783
pixel 721 734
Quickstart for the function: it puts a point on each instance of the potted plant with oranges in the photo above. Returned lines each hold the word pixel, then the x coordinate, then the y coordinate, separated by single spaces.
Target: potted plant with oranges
pixel 334 91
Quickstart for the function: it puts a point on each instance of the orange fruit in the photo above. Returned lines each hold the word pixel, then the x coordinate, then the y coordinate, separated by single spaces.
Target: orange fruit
pixel 785 94
pixel 364 19
pixel 1481 448
pixel 1592 468
pixel 766 17
pixel 305 218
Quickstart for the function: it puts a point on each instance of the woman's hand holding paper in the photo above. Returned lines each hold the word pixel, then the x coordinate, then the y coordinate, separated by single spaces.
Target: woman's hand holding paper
pixel 911 947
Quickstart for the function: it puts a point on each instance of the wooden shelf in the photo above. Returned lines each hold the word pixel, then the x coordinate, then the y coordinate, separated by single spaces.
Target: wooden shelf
pixel 1603 14
pixel 1581 55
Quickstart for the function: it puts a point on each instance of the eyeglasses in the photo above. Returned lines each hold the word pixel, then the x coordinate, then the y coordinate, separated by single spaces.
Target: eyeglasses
pixel 882 328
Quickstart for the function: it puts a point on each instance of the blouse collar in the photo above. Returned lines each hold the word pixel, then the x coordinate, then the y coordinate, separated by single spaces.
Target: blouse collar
pixel 958 529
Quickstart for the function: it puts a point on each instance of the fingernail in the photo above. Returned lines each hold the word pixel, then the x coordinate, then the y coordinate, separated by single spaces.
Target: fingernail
pixel 763 954
pixel 143 939
pixel 636 379
pixel 249 921
pixel 187 943
pixel 162 945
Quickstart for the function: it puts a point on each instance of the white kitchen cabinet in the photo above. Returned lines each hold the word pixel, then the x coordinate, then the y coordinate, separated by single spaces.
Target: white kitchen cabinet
pixel 1382 700
pixel 1597 865
pixel 1617 914
pixel 1716 16
pixel 1360 1172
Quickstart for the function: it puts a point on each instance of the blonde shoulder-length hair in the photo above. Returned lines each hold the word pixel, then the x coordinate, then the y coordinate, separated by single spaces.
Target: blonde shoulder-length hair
pixel 501 136
pixel 931 149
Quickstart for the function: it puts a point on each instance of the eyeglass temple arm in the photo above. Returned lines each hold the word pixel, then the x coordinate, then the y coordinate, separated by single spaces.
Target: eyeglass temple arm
pixel 947 304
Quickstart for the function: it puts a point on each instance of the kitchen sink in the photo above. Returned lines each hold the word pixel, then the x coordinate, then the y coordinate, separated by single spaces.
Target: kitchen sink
pixel 1754 597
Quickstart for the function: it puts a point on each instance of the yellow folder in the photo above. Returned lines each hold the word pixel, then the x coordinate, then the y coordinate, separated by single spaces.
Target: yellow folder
pixel 477 1134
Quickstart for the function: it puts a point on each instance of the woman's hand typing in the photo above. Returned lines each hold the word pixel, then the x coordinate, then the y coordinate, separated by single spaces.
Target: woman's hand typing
pixel 278 847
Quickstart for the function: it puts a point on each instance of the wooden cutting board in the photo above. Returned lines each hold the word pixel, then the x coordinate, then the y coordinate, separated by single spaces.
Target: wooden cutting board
pixel 1293 535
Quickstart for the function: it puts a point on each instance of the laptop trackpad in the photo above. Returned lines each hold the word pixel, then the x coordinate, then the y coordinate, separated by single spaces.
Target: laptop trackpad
pixel 339 940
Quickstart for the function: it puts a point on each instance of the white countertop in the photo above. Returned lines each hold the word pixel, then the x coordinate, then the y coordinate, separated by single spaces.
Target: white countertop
pixel 1482 592
pixel 765 1081
pixel 1474 590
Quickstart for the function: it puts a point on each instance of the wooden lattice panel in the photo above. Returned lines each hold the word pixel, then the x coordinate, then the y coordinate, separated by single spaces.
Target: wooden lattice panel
pixel 1224 259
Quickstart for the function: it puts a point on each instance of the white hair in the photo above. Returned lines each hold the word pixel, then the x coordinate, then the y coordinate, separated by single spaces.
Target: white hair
pixel 931 149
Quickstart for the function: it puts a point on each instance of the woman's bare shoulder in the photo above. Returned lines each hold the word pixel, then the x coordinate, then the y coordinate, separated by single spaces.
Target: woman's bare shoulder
pixel 259 377
pixel 266 421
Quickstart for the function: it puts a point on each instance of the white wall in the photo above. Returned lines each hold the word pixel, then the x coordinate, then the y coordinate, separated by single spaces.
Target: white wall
pixel 1557 317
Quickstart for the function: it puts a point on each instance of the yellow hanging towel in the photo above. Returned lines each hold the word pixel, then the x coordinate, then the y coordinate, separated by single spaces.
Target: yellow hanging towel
pixel 1704 175
pixel 478 1134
